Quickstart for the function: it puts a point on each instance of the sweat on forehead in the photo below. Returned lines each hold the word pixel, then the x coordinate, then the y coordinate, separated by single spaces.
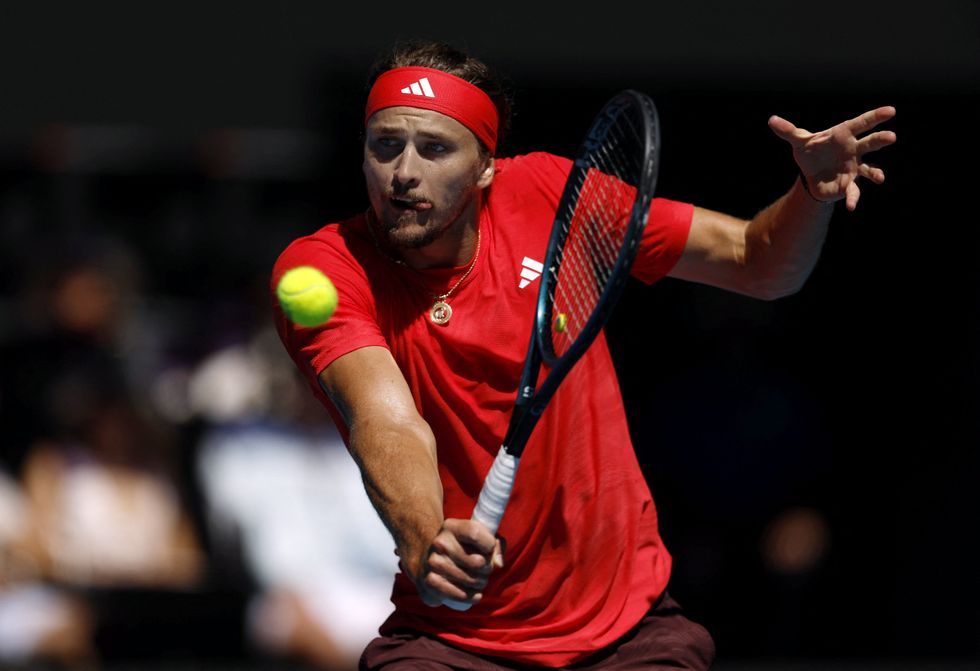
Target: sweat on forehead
pixel 426 88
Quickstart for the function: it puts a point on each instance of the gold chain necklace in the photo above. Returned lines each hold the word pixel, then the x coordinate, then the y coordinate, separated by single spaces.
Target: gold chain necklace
pixel 441 311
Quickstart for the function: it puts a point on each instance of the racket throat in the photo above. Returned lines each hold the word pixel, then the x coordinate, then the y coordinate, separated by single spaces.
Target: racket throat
pixel 526 413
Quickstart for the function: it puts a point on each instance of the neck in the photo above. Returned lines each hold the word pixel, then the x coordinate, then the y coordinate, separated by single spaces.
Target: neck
pixel 454 248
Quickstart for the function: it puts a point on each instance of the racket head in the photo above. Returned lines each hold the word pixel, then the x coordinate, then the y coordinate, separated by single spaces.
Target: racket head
pixel 598 225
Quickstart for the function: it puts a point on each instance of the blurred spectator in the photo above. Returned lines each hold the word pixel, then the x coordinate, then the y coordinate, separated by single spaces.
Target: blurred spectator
pixel 105 509
pixel 115 463
pixel 65 345
pixel 278 479
pixel 99 470
pixel 107 561
pixel 37 621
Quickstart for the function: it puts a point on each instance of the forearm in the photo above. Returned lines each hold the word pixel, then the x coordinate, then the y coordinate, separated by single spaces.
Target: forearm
pixel 401 476
pixel 783 243
pixel 767 257
pixel 396 452
pixel 393 446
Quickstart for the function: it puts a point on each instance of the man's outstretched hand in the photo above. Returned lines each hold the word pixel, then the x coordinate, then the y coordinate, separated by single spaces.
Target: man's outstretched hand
pixel 831 160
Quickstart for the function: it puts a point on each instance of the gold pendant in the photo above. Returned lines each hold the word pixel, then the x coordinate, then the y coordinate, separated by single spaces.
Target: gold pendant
pixel 440 313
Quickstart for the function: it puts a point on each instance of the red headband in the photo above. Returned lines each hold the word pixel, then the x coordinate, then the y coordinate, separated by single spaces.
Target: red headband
pixel 439 91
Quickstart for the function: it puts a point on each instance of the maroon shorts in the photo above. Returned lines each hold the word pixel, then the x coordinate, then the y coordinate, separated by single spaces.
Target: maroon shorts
pixel 664 638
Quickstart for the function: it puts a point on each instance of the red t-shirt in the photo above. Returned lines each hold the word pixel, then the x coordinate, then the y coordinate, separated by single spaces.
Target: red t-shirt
pixel 584 558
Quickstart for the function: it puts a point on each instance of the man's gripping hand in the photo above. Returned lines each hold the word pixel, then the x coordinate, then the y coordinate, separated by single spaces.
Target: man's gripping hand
pixel 458 562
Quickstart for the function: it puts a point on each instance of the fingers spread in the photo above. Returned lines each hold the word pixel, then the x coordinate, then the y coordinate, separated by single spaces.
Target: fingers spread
pixel 870 119
pixel 874 173
pixel 852 195
pixel 876 141
pixel 787 130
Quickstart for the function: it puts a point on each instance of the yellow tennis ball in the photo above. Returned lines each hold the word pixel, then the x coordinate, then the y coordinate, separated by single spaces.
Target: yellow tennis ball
pixel 561 321
pixel 307 296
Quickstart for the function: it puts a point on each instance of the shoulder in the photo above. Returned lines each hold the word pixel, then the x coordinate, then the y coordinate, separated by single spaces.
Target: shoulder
pixel 338 246
pixel 539 163
pixel 539 172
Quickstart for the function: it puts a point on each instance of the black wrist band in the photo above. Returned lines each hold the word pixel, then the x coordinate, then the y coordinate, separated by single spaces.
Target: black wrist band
pixel 806 187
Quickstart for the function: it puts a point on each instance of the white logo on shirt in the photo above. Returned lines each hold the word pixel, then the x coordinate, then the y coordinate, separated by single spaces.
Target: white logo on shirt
pixel 530 271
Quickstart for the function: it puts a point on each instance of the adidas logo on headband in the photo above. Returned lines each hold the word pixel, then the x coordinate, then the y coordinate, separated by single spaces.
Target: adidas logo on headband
pixel 457 99
pixel 420 88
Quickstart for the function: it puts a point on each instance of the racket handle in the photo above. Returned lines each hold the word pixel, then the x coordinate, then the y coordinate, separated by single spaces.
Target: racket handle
pixel 496 491
pixel 492 502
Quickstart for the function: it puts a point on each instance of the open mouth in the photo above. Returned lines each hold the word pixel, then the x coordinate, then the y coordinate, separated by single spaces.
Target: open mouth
pixel 410 204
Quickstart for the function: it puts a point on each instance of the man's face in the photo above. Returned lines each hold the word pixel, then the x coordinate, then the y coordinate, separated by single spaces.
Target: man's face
pixel 423 170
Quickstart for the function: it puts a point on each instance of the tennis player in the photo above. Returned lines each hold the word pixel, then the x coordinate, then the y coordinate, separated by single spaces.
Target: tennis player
pixel 420 362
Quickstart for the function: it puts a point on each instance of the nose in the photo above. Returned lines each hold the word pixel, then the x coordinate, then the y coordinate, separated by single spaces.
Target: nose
pixel 407 169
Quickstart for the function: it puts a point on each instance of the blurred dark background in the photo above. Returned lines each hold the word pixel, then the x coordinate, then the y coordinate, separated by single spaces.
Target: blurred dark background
pixel 814 459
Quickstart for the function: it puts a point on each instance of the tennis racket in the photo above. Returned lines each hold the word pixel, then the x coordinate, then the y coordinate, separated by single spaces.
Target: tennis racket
pixel 598 224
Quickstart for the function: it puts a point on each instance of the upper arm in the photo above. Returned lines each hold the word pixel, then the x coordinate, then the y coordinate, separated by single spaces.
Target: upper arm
pixel 715 251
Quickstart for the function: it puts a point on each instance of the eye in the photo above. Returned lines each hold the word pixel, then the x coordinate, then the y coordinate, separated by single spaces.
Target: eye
pixel 434 149
pixel 388 142
pixel 386 147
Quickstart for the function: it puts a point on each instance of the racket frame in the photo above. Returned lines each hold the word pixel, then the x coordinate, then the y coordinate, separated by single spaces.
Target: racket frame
pixel 532 400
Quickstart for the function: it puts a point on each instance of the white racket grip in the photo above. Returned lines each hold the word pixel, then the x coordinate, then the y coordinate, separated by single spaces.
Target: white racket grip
pixel 492 502
pixel 496 491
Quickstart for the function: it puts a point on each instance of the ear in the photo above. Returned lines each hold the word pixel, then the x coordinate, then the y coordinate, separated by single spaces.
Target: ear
pixel 486 174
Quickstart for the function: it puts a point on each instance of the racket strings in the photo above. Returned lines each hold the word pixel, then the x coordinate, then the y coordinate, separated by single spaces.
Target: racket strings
pixel 597 228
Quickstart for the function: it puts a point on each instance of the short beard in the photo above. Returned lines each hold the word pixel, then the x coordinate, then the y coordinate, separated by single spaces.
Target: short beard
pixel 419 235
pixel 415 237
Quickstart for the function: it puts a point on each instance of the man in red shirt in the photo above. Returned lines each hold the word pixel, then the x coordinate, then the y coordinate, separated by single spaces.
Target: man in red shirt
pixel 420 362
